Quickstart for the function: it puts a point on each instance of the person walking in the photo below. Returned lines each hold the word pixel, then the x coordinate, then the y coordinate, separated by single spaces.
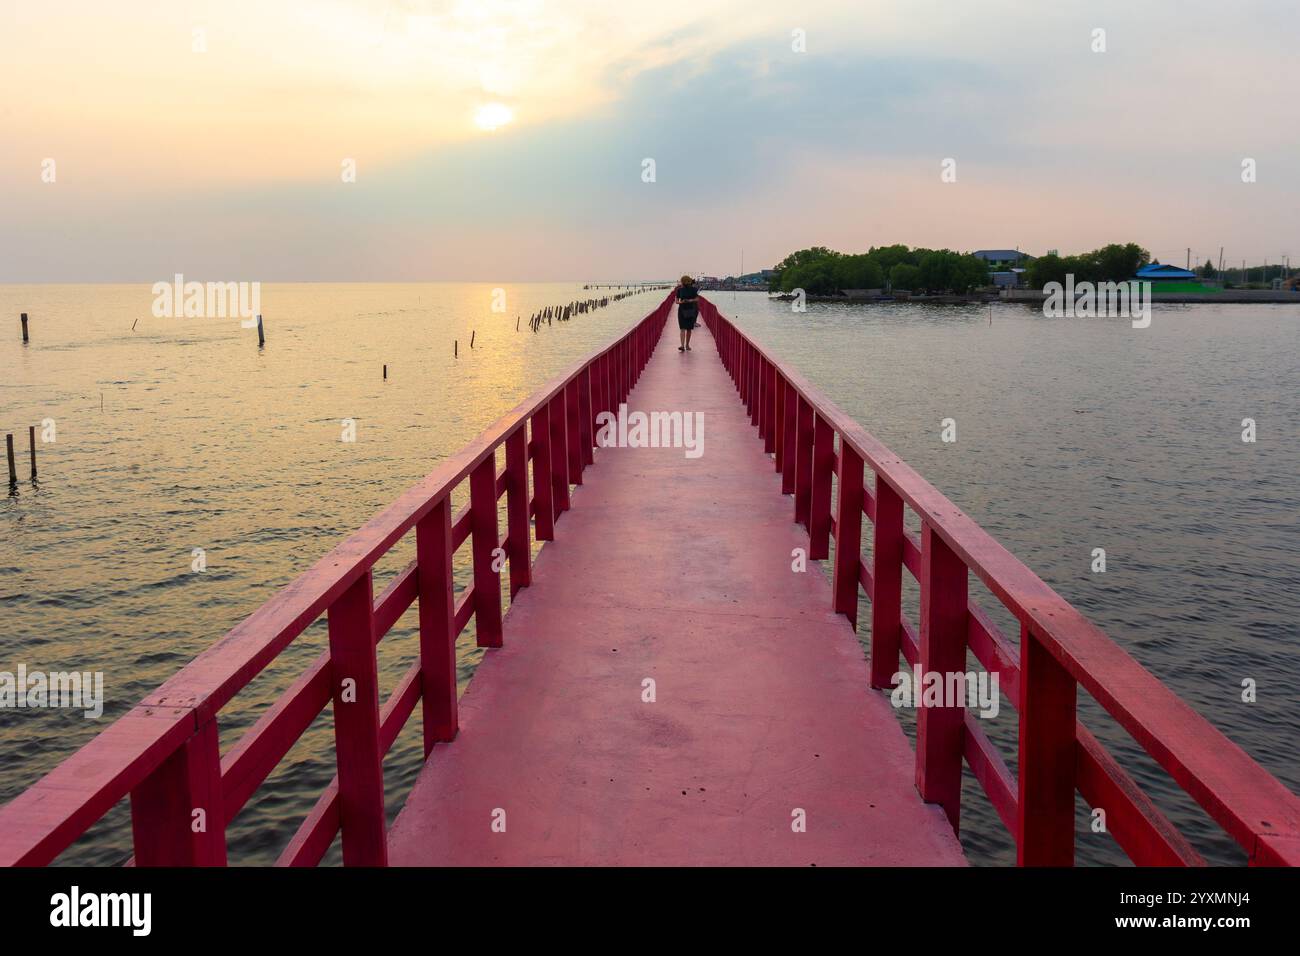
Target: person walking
pixel 688 310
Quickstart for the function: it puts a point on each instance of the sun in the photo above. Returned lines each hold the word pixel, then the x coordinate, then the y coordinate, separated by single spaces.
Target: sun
pixel 492 116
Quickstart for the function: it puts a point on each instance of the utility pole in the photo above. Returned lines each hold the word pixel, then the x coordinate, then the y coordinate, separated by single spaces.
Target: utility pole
pixel 1189 258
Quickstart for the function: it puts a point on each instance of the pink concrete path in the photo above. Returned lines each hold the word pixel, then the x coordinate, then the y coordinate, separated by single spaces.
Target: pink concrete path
pixel 678 570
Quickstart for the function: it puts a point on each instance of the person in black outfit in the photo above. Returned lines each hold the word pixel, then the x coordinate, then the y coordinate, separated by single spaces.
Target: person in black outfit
pixel 688 310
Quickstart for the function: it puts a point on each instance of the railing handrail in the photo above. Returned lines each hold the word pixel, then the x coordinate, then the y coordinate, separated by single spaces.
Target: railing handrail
pixel 302 601
pixel 1239 794
pixel 46 818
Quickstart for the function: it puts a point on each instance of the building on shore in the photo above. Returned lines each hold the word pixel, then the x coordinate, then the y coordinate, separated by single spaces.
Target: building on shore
pixel 1007 278
pixel 1002 260
pixel 1006 266
pixel 1163 272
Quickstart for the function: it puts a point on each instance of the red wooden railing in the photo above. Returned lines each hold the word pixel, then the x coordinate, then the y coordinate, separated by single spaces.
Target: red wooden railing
pixel 164 753
pixel 1059 651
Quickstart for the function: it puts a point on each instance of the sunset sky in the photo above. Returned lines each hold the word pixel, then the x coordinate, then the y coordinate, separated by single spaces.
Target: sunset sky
pixel 505 140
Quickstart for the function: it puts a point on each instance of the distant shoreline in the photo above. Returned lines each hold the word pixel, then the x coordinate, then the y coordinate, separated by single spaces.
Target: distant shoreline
pixel 1036 296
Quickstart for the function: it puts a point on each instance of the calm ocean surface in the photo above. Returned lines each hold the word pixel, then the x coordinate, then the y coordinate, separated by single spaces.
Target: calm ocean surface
pixel 1073 434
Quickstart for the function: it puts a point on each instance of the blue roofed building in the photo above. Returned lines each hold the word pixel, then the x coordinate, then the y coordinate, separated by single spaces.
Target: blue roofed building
pixel 1158 272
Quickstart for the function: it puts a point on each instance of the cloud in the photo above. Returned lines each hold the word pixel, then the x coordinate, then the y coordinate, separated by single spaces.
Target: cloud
pixel 755 145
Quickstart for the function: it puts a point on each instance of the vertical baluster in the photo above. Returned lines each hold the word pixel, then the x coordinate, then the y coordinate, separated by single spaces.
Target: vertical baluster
pixel 755 387
pixel 573 430
pixel 745 377
pixel 599 400
pixel 746 358
pixel 486 538
pixel 437 624
pixel 585 413
pixel 517 525
pixel 848 533
pixel 1045 811
pixel 543 491
pixel 768 415
pixel 803 463
pixel 940 730
pixel 789 441
pixel 819 525
pixel 182 794
pixel 625 368
pixel 559 455
pixel 617 354
pixel 611 390
pixel 778 420
pixel 353 670
pixel 886 585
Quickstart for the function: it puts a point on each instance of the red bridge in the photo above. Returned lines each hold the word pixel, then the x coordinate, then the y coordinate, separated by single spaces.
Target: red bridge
pixel 665 687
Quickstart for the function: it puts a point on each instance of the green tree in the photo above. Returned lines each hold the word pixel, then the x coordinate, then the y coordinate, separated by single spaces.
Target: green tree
pixel 1045 269
pixel 889 256
pixel 858 272
pixel 1208 271
pixel 794 260
pixel 816 277
pixel 904 275
pixel 1116 263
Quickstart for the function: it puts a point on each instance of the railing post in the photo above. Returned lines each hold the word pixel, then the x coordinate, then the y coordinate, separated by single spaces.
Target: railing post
pixel 778 420
pixel 542 489
pixel 620 373
pixel 760 392
pixel 1045 810
pixel 886 585
pixel 437 625
pixel 819 523
pixel 573 430
pixel 940 730
pixel 746 359
pixel 599 402
pixel 559 454
pixel 848 534
pixel 357 750
pixel 183 794
pixel 586 415
pixel 803 463
pixel 517 524
pixel 789 443
pixel 608 404
pixel 769 408
pixel 486 539
pixel 625 369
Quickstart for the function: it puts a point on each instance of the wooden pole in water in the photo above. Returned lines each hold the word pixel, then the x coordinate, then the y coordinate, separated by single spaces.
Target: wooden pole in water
pixel 455 348
pixel 471 338
pixel 261 337
pixel 31 444
pixel 24 321
pixel 385 373
pixel 13 470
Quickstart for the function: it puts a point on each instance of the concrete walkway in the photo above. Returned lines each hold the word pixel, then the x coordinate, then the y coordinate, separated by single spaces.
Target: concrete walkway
pixel 676 570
